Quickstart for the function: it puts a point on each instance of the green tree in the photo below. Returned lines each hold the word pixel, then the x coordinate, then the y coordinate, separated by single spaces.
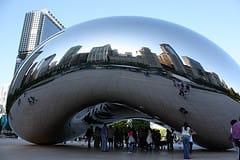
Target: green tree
pixel 232 92
pixel 136 124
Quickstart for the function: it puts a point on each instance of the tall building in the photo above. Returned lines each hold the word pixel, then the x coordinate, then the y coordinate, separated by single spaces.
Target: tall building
pixel 215 80
pixel 65 61
pixel 3 98
pixel 38 26
pixel 170 58
pixel 150 58
pixel 99 54
pixel 197 69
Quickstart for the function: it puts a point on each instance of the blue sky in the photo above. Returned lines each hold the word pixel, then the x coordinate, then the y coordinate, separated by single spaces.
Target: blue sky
pixel 217 20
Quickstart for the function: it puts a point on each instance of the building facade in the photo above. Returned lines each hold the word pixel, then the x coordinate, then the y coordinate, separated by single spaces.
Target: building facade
pixel 3 98
pixel 99 54
pixel 170 58
pixel 197 69
pixel 150 58
pixel 38 26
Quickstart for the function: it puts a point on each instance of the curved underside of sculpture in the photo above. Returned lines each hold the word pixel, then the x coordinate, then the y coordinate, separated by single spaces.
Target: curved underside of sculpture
pixel 52 117
pixel 55 97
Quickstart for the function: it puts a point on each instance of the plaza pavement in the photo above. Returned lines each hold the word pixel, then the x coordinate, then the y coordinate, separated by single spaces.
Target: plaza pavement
pixel 18 149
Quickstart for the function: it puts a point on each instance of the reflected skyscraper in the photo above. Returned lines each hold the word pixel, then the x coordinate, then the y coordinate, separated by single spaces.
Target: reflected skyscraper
pixel 65 61
pixel 149 57
pixel 170 58
pixel 215 80
pixel 38 26
pixel 197 69
pixel 99 54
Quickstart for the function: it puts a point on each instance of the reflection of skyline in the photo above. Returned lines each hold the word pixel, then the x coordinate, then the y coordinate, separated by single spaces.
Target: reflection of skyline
pixel 132 38
pixel 104 57
pixel 168 60
pixel 192 68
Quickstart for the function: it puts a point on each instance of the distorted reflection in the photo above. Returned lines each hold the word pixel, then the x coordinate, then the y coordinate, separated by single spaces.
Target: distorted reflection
pixel 167 61
pixel 115 68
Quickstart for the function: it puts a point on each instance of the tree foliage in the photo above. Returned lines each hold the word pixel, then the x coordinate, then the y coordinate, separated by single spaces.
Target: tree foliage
pixel 135 123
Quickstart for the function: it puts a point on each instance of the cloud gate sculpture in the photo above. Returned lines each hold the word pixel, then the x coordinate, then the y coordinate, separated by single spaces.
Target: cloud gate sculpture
pixel 115 68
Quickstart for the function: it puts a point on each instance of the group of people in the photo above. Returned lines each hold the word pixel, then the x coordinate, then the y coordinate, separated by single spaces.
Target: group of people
pixel 183 88
pixel 145 139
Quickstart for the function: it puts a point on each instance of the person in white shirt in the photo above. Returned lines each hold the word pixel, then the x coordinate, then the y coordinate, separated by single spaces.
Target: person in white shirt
pixel 186 138
pixel 149 140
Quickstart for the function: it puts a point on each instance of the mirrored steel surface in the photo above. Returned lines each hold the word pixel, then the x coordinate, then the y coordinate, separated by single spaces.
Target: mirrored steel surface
pixel 177 74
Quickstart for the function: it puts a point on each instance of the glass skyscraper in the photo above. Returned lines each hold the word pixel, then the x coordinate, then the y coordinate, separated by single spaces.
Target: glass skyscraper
pixel 38 26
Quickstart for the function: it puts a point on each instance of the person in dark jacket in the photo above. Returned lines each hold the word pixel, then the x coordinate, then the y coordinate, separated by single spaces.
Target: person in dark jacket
pixel 89 135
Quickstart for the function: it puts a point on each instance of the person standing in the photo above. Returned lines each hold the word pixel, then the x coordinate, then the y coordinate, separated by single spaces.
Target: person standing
pixel 149 140
pixel 131 140
pixel 110 135
pixel 186 138
pixel 232 122
pixel 170 137
pixel 236 135
pixel 97 137
pixel 3 122
pixel 141 138
pixel 89 135
pixel 192 132
pixel 190 144
pixel 104 138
